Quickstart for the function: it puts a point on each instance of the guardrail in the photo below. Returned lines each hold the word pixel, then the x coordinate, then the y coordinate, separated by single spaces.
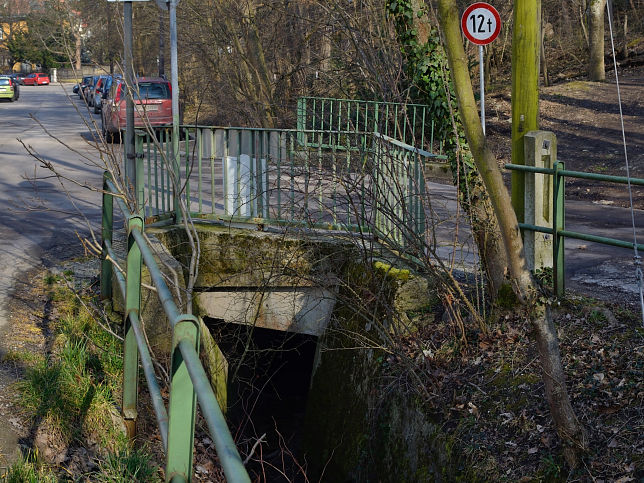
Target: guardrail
pixel 268 176
pixel 188 380
pixel 558 231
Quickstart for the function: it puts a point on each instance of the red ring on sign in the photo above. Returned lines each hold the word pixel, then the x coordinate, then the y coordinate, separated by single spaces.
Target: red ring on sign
pixel 466 32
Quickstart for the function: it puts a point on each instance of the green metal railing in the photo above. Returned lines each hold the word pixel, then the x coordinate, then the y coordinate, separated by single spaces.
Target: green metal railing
pixel 188 380
pixel 400 193
pixel 257 175
pixel 409 123
pixel 557 230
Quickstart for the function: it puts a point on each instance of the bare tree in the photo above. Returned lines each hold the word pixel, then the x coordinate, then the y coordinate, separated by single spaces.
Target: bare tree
pixel 536 309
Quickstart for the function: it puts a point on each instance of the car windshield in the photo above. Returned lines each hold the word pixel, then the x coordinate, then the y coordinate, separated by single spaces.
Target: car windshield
pixel 31 75
pixel 152 90
pixel 4 82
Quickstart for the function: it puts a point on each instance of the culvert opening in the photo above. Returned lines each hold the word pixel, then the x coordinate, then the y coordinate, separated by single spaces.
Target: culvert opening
pixel 269 375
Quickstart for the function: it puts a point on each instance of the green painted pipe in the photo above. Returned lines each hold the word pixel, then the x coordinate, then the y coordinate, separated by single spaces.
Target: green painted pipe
pixel 226 449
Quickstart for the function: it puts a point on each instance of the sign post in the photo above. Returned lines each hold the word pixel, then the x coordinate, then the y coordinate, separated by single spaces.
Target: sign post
pixel 481 24
pixel 132 182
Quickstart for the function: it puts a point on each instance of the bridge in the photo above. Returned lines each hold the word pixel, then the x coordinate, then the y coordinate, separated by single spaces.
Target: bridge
pixel 353 174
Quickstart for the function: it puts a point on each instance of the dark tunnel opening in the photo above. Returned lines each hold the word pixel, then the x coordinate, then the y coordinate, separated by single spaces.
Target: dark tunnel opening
pixel 269 375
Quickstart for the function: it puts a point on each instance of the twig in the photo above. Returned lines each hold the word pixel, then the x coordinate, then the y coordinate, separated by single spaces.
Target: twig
pixel 260 440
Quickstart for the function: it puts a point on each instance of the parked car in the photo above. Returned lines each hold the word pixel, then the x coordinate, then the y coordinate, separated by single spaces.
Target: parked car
pixel 18 78
pixel 36 79
pixel 95 92
pixel 89 86
pixel 8 89
pixel 78 88
pixel 152 103
pixel 102 91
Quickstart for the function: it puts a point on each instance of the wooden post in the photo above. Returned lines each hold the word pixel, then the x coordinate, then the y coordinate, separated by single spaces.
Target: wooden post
pixel 526 37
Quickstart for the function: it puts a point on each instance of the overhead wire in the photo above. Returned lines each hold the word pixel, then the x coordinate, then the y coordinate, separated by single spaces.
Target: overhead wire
pixel 637 259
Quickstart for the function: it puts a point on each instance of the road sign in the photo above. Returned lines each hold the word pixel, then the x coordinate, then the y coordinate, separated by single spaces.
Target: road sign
pixel 481 23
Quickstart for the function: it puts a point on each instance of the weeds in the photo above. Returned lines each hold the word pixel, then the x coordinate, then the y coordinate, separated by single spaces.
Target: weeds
pixel 29 469
pixel 71 392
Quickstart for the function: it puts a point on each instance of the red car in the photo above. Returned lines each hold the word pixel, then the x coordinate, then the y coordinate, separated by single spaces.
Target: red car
pixel 36 79
pixel 152 105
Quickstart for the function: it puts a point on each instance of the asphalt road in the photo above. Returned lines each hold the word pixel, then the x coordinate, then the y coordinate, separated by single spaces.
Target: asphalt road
pixel 42 216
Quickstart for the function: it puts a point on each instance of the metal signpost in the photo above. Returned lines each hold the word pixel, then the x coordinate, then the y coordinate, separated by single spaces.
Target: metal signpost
pixel 130 165
pixel 481 24
pixel 132 183
pixel 171 6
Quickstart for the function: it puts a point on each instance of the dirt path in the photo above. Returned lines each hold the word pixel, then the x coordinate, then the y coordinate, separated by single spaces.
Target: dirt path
pixel 585 118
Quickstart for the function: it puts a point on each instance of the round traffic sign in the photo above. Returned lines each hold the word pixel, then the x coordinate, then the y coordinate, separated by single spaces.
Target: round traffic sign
pixel 481 23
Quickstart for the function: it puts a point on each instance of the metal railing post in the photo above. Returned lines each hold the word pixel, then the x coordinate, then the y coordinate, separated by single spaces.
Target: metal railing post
pixel 130 350
pixel 183 401
pixel 558 225
pixel 107 222
pixel 139 187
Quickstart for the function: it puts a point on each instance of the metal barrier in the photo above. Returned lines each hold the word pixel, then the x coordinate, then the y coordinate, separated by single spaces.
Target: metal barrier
pixel 259 176
pixel 400 193
pixel 408 123
pixel 188 380
pixel 558 231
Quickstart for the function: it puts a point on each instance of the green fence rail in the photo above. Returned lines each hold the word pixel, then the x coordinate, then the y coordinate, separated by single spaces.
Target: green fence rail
pixel 558 231
pixel 257 175
pixel 411 124
pixel 267 177
pixel 400 192
pixel 188 380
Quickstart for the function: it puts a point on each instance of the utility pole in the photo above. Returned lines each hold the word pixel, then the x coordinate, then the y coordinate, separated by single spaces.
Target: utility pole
pixel 128 71
pixel 161 44
pixel 174 72
pixel 526 41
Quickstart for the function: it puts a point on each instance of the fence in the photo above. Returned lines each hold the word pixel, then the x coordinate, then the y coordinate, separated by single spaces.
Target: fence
pixel 188 380
pixel 558 231
pixel 257 175
pixel 400 192
pixel 408 123
pixel 268 176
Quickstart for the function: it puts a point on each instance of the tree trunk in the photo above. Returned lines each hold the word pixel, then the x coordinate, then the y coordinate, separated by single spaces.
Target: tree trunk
pixel 472 194
pixel 596 70
pixel 544 63
pixel 161 44
pixel 567 425
pixel 77 53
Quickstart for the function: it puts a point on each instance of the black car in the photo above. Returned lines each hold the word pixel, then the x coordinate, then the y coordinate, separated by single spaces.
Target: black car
pixel 80 88
pixel 103 92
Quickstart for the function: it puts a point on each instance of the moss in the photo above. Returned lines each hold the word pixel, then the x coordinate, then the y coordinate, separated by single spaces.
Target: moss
pixel 506 299
pixel 398 274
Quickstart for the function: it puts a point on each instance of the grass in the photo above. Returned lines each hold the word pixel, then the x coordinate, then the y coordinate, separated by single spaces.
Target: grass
pixel 29 469
pixel 71 392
